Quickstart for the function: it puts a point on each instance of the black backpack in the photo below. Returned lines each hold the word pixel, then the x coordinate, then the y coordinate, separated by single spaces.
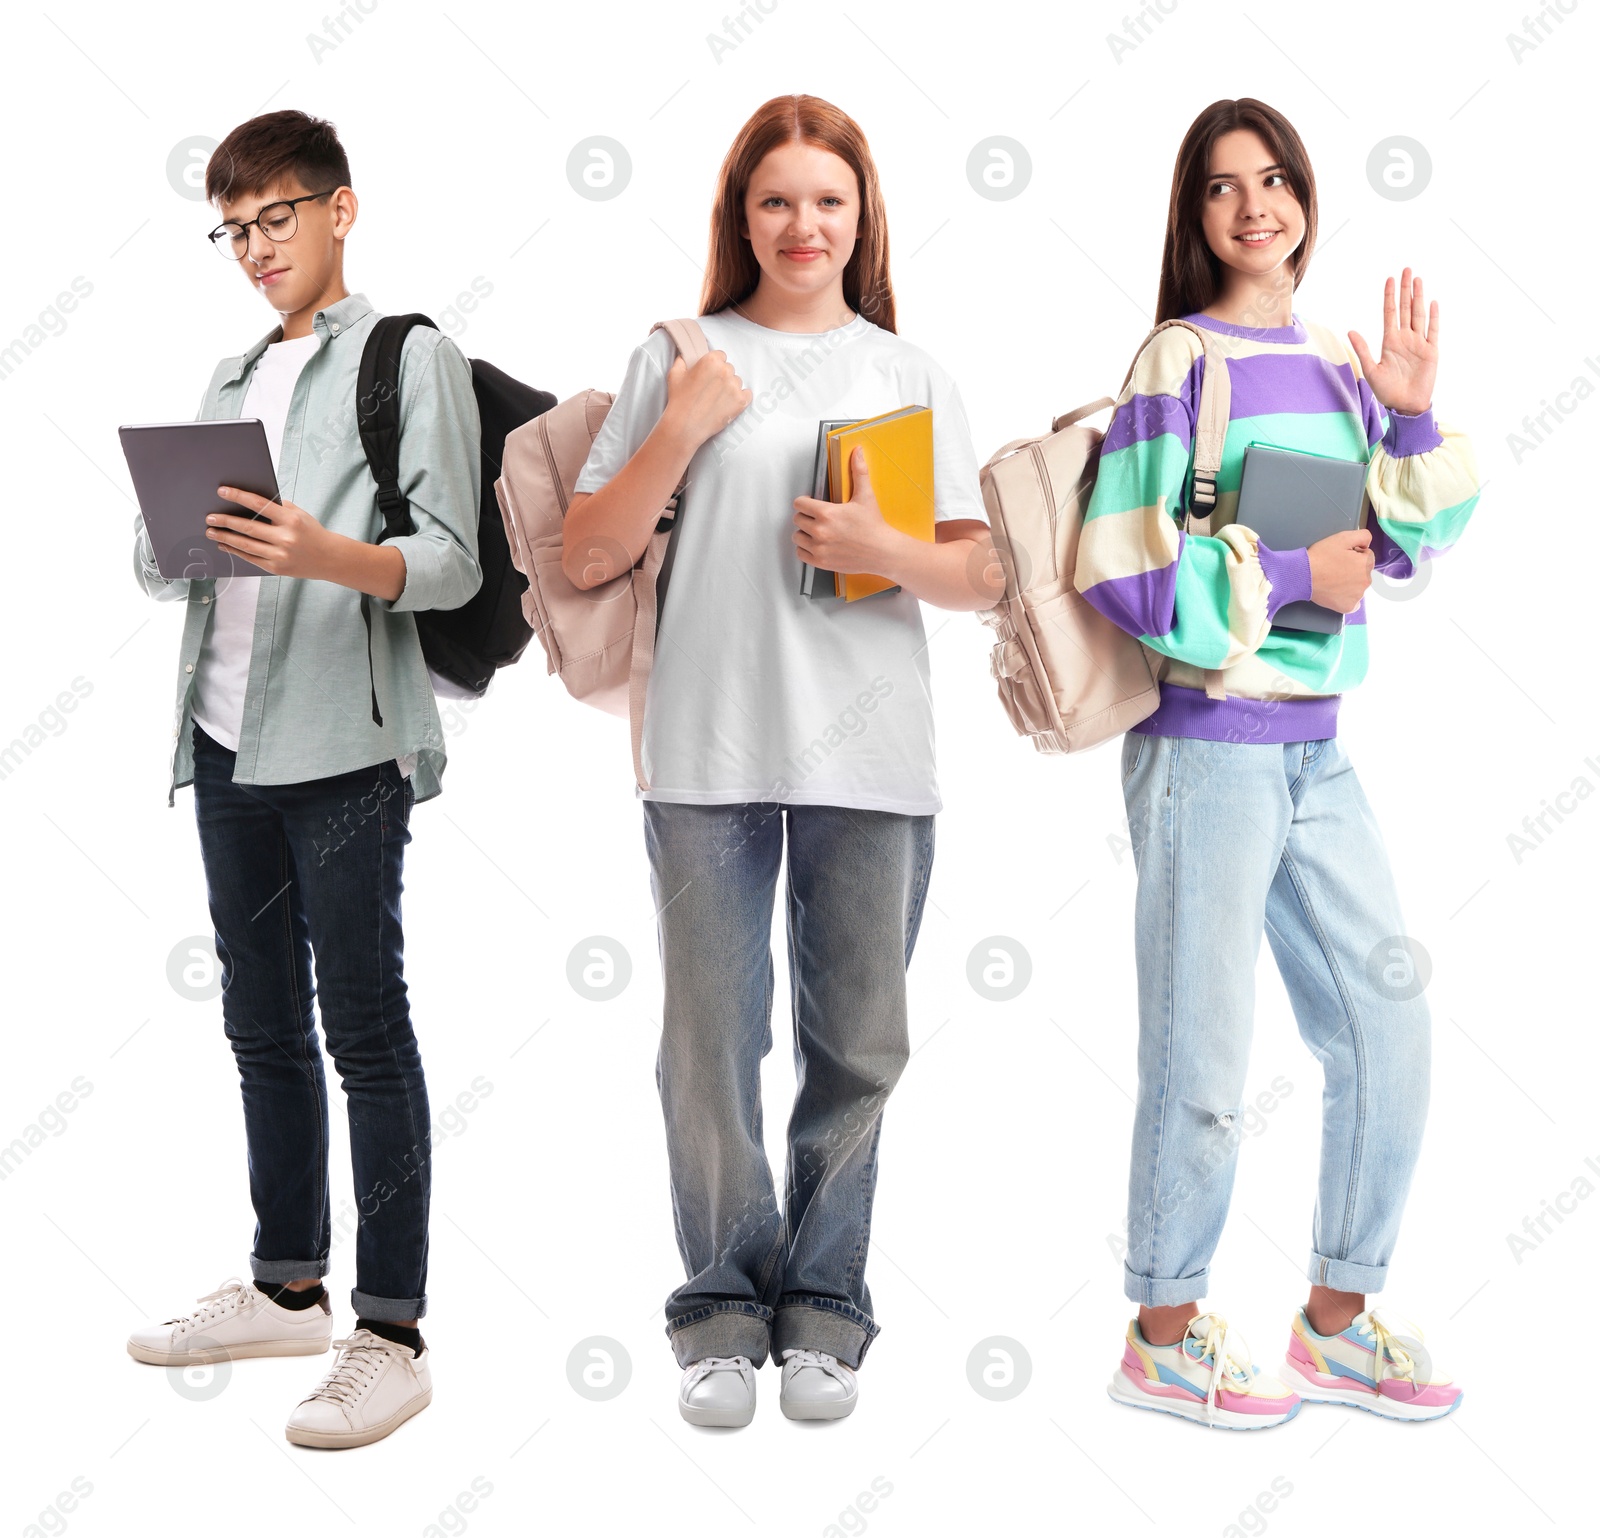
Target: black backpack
pixel 489 631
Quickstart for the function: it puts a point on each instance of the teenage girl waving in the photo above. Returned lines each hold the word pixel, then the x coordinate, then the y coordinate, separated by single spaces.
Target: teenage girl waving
pixel 780 723
pixel 1245 812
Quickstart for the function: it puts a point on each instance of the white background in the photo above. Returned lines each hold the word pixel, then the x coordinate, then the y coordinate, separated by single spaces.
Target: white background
pixel 1003 1164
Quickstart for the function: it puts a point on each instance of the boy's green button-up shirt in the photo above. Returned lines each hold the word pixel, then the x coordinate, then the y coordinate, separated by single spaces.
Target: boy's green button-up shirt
pixel 308 703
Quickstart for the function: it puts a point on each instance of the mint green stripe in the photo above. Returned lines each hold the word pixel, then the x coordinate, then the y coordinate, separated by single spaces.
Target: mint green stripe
pixel 1440 532
pixel 1337 433
pixel 1326 664
pixel 1139 476
pixel 1200 636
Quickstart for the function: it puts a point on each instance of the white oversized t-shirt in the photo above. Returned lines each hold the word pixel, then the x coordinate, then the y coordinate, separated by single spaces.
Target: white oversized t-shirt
pixel 223 668
pixel 758 693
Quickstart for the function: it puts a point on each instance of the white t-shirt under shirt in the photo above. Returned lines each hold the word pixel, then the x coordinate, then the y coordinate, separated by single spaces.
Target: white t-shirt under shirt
pixel 758 693
pixel 223 670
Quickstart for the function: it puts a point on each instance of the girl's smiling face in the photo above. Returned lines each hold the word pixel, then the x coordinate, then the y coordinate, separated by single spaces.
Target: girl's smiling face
pixel 802 214
pixel 1251 220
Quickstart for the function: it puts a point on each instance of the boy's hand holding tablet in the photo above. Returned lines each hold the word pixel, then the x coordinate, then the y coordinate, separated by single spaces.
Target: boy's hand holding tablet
pixel 284 540
pixel 175 467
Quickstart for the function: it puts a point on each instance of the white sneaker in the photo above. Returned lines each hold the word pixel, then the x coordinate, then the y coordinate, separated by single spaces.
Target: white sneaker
pixel 234 1321
pixel 718 1391
pixel 376 1386
pixel 816 1386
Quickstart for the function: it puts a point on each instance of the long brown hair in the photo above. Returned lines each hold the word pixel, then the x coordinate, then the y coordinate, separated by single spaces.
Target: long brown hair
pixel 732 271
pixel 1191 275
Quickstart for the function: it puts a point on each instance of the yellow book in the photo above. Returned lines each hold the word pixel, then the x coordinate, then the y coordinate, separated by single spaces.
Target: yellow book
pixel 899 450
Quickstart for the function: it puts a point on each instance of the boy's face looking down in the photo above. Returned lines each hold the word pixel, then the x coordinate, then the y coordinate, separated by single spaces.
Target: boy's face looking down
pixel 295 255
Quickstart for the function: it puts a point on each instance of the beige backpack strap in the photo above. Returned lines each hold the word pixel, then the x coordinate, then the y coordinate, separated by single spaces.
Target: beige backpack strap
pixel 1078 413
pixel 1211 417
pixel 1211 425
pixel 1060 424
pixel 1211 428
pixel 691 343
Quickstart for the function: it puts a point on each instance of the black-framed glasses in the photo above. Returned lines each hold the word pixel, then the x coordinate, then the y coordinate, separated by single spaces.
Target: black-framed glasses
pixel 277 221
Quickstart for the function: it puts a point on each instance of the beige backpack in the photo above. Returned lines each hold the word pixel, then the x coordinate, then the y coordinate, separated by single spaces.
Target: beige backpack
pixel 600 640
pixel 1068 677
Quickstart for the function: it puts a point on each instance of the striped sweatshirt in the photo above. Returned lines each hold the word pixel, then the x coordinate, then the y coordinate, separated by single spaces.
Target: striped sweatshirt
pixel 1203 603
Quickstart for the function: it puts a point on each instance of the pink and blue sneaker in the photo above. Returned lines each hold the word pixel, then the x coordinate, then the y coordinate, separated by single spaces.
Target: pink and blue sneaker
pixel 1370 1364
pixel 1207 1377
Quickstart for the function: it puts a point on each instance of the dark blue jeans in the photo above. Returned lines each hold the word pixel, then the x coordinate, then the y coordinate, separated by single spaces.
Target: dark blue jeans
pixel 307 875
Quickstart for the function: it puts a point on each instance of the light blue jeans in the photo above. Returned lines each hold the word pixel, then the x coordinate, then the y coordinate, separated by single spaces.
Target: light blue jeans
pixel 1231 838
pixel 763 1275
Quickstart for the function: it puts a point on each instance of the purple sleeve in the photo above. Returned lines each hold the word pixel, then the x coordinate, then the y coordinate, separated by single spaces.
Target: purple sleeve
pixel 1411 435
pixel 1288 574
pixel 1387 556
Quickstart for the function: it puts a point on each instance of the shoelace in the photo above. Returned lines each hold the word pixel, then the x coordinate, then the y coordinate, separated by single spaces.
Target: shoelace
pixel 798 1357
pixel 1386 1344
pixel 710 1364
pixel 1230 1356
pixel 223 1301
pixel 361 1357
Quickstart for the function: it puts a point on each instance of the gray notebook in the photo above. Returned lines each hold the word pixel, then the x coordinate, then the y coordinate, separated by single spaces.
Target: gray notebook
pixel 814 581
pixel 1292 500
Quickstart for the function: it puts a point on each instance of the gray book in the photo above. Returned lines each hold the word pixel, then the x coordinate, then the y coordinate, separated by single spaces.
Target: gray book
pixel 814 582
pixel 1292 500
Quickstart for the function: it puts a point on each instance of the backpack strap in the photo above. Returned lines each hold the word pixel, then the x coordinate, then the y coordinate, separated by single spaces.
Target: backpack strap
pixel 691 344
pixel 378 420
pixel 1211 428
pixel 1061 423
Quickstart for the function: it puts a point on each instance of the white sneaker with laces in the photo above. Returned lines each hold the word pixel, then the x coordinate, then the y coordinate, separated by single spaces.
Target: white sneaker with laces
pixel 234 1321
pixel 375 1387
pixel 816 1386
pixel 718 1391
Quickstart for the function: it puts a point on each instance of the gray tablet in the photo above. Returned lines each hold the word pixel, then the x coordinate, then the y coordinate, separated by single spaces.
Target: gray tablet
pixel 1292 500
pixel 176 469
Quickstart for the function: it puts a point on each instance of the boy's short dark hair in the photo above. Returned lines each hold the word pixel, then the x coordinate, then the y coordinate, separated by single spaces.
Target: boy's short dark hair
pixel 273 146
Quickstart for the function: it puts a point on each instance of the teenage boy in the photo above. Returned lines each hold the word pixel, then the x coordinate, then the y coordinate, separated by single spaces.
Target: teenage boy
pixel 308 739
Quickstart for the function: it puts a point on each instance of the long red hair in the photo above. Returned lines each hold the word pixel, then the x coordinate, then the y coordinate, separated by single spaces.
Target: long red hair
pixel 732 271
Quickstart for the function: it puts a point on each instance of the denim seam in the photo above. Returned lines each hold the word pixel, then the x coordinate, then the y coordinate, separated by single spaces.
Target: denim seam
pixel 302 1010
pixel 1352 1023
pixel 775 1253
pixel 1170 835
pixel 706 1311
pixel 924 872
pixel 782 1238
pixel 858 1259
pixel 825 1305
pixel 1139 739
pixel 385 826
pixel 1300 775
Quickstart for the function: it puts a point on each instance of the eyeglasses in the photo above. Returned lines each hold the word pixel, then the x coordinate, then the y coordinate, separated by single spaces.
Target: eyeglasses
pixel 277 221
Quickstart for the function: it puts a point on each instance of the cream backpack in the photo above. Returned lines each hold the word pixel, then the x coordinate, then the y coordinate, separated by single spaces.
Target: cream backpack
pixel 1068 677
pixel 601 641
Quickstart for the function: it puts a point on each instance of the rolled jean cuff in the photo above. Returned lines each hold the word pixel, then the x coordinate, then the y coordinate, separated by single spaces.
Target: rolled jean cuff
pixel 1346 1275
pixel 1164 1291
pixel 388 1310
pixel 807 1323
pixel 279 1271
pixel 734 1328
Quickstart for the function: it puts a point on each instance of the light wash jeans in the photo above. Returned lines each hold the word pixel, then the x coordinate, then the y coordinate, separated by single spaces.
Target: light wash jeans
pixel 761 1276
pixel 1231 837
